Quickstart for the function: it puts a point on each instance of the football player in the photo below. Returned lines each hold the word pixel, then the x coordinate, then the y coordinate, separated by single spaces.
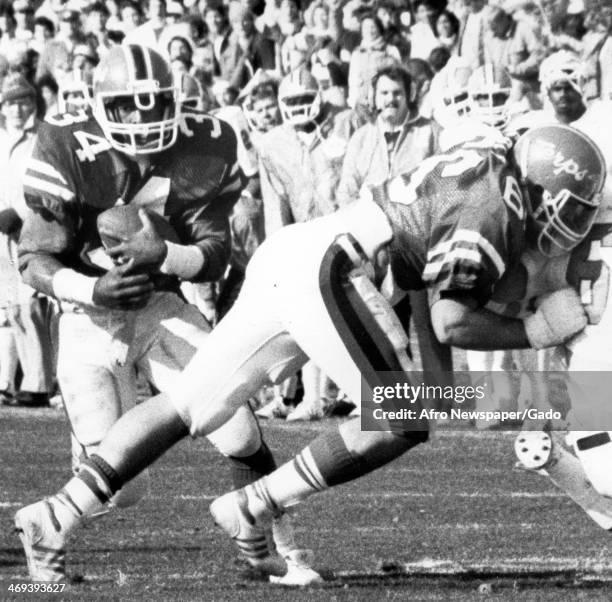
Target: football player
pixel 587 269
pixel 455 225
pixel 126 317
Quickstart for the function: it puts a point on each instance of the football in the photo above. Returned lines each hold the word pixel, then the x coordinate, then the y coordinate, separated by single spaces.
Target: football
pixel 121 221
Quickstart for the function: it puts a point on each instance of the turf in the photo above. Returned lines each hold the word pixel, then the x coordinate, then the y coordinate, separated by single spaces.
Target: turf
pixel 449 521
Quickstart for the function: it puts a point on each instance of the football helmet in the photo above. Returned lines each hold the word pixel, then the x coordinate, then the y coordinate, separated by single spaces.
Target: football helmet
pixel 562 175
pixel 140 77
pixel 489 91
pixel 299 98
pixel 562 66
pixel 449 89
pixel 75 92
pixel 192 93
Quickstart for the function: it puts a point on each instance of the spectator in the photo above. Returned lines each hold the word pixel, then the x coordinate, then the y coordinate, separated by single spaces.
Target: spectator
pixel 149 32
pixel 176 43
pixel 55 60
pixel 447 31
pixel 438 58
pixel 324 19
pixel 388 15
pixel 44 30
pixel 24 20
pixel 198 30
pixel 114 23
pixel 371 54
pixel 515 46
pixel 27 311
pixel 7 27
pixel 215 18
pixel 421 75
pixel 70 31
pixel 203 68
pixel 49 92
pixel 244 50
pixel 597 53
pixel 174 12
pixel 396 142
pixel 471 32
pixel 132 18
pixel 97 33
pixel 422 37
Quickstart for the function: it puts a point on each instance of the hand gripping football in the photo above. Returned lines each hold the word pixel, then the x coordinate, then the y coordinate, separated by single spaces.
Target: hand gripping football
pixel 119 222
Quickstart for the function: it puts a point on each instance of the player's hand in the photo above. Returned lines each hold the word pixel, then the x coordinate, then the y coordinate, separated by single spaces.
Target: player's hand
pixel 118 289
pixel 146 248
pixel 559 316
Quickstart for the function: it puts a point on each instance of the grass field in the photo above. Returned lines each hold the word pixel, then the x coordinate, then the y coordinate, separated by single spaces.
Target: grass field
pixel 450 521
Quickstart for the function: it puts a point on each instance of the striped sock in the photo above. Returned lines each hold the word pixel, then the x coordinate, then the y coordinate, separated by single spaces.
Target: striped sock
pixel 290 484
pixel 85 494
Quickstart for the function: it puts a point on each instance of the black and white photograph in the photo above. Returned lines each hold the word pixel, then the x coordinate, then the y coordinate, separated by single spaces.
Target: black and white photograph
pixel 306 300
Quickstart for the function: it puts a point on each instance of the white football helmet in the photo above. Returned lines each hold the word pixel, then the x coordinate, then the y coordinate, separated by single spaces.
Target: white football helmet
pixel 141 76
pixel 299 98
pixel 192 93
pixel 449 91
pixel 489 91
pixel 75 92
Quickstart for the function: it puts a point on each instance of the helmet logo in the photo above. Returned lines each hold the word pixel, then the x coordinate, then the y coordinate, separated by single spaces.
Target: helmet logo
pixel 569 166
pixel 560 163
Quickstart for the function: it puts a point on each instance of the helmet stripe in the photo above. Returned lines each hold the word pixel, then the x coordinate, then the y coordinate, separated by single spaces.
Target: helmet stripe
pixel 142 67
pixel 129 62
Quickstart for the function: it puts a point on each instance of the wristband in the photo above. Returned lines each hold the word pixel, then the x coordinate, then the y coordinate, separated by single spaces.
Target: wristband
pixel 69 285
pixel 184 261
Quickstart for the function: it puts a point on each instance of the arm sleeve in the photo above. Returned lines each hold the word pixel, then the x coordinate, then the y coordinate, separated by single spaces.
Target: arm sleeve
pixel 471 247
pixel 206 225
pixel 49 229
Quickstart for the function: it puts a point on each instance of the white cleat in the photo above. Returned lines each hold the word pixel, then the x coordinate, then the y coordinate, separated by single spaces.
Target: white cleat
pixel 275 409
pixel 307 411
pixel 299 570
pixel 43 542
pixel 232 514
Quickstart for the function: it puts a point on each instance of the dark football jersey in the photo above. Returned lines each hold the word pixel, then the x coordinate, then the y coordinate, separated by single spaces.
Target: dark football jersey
pixel 458 223
pixel 74 175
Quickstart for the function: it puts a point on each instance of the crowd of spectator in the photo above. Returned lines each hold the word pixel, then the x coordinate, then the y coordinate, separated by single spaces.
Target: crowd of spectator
pixel 370 61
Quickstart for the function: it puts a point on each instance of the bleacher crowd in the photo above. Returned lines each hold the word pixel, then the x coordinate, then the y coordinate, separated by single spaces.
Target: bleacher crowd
pixel 326 97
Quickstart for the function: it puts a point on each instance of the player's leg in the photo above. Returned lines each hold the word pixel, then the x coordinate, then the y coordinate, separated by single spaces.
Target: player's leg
pixel 238 357
pixel 181 329
pixel 340 333
pixel 92 401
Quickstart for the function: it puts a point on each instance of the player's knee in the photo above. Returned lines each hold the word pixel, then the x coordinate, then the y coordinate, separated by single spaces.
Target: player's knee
pixel 131 493
pixel 239 437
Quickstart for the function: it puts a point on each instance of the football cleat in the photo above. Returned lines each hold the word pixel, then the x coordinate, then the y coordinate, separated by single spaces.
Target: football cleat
pixel 43 541
pixel 299 570
pixel 307 410
pixel 275 409
pixel 232 514
pixel 533 449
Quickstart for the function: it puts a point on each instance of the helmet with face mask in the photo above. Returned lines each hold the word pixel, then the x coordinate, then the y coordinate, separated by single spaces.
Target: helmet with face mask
pixel 136 76
pixel 489 90
pixel 299 98
pixel 562 175
pixel 449 92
